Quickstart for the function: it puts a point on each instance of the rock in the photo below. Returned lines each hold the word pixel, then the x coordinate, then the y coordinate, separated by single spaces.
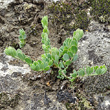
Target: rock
pixel 103 101
pixel 5 3
pixel 8 69
pixel 94 49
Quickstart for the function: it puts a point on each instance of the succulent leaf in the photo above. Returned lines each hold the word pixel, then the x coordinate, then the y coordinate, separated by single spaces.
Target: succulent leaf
pixel 65 57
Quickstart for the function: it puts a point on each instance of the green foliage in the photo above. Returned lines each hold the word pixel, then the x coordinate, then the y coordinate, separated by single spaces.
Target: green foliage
pixel 22 38
pixel 60 58
pixel 17 54
pixel 88 71
pixel 45 40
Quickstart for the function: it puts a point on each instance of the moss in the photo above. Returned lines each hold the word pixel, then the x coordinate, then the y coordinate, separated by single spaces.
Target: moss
pixel 81 20
pixel 3 100
pixel 7 100
pixel 14 101
pixel 68 106
pixel 81 104
pixel 69 14
pixel 101 10
pixel 72 15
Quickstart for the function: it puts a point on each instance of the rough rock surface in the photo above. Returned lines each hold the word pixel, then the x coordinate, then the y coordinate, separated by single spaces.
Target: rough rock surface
pixel 18 94
pixel 94 49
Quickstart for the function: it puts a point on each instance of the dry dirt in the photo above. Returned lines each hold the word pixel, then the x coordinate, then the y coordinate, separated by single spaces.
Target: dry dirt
pixel 37 91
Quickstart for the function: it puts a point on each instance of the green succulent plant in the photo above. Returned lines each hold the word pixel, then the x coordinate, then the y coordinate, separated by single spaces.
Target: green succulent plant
pixel 60 58
pixel 22 38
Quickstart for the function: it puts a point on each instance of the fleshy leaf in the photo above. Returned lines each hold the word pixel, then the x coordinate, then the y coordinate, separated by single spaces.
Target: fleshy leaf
pixel 33 67
pixel 89 70
pixel 68 62
pixel 70 54
pixel 98 71
pixel 56 59
pixel 19 51
pixel 21 56
pixel 81 72
pixel 78 34
pixel 28 60
pixel 95 68
pixel 74 74
pixel 75 57
pixel 10 51
pixel 50 63
pixel 47 68
pixel 104 69
pixel 44 21
pixel 45 30
pixel 74 43
pixel 61 64
pixel 72 79
pixel 66 57
pixel 73 49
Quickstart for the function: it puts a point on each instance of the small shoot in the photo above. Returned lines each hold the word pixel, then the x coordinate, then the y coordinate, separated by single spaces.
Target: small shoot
pixel 22 38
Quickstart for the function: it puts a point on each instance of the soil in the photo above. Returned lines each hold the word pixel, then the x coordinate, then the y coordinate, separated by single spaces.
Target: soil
pixel 43 91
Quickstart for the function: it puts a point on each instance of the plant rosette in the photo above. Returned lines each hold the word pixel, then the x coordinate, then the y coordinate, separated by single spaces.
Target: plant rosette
pixel 60 58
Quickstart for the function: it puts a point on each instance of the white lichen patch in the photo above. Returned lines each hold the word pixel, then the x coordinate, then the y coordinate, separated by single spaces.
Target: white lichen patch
pixel 4 3
pixel 107 103
pixel 6 68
